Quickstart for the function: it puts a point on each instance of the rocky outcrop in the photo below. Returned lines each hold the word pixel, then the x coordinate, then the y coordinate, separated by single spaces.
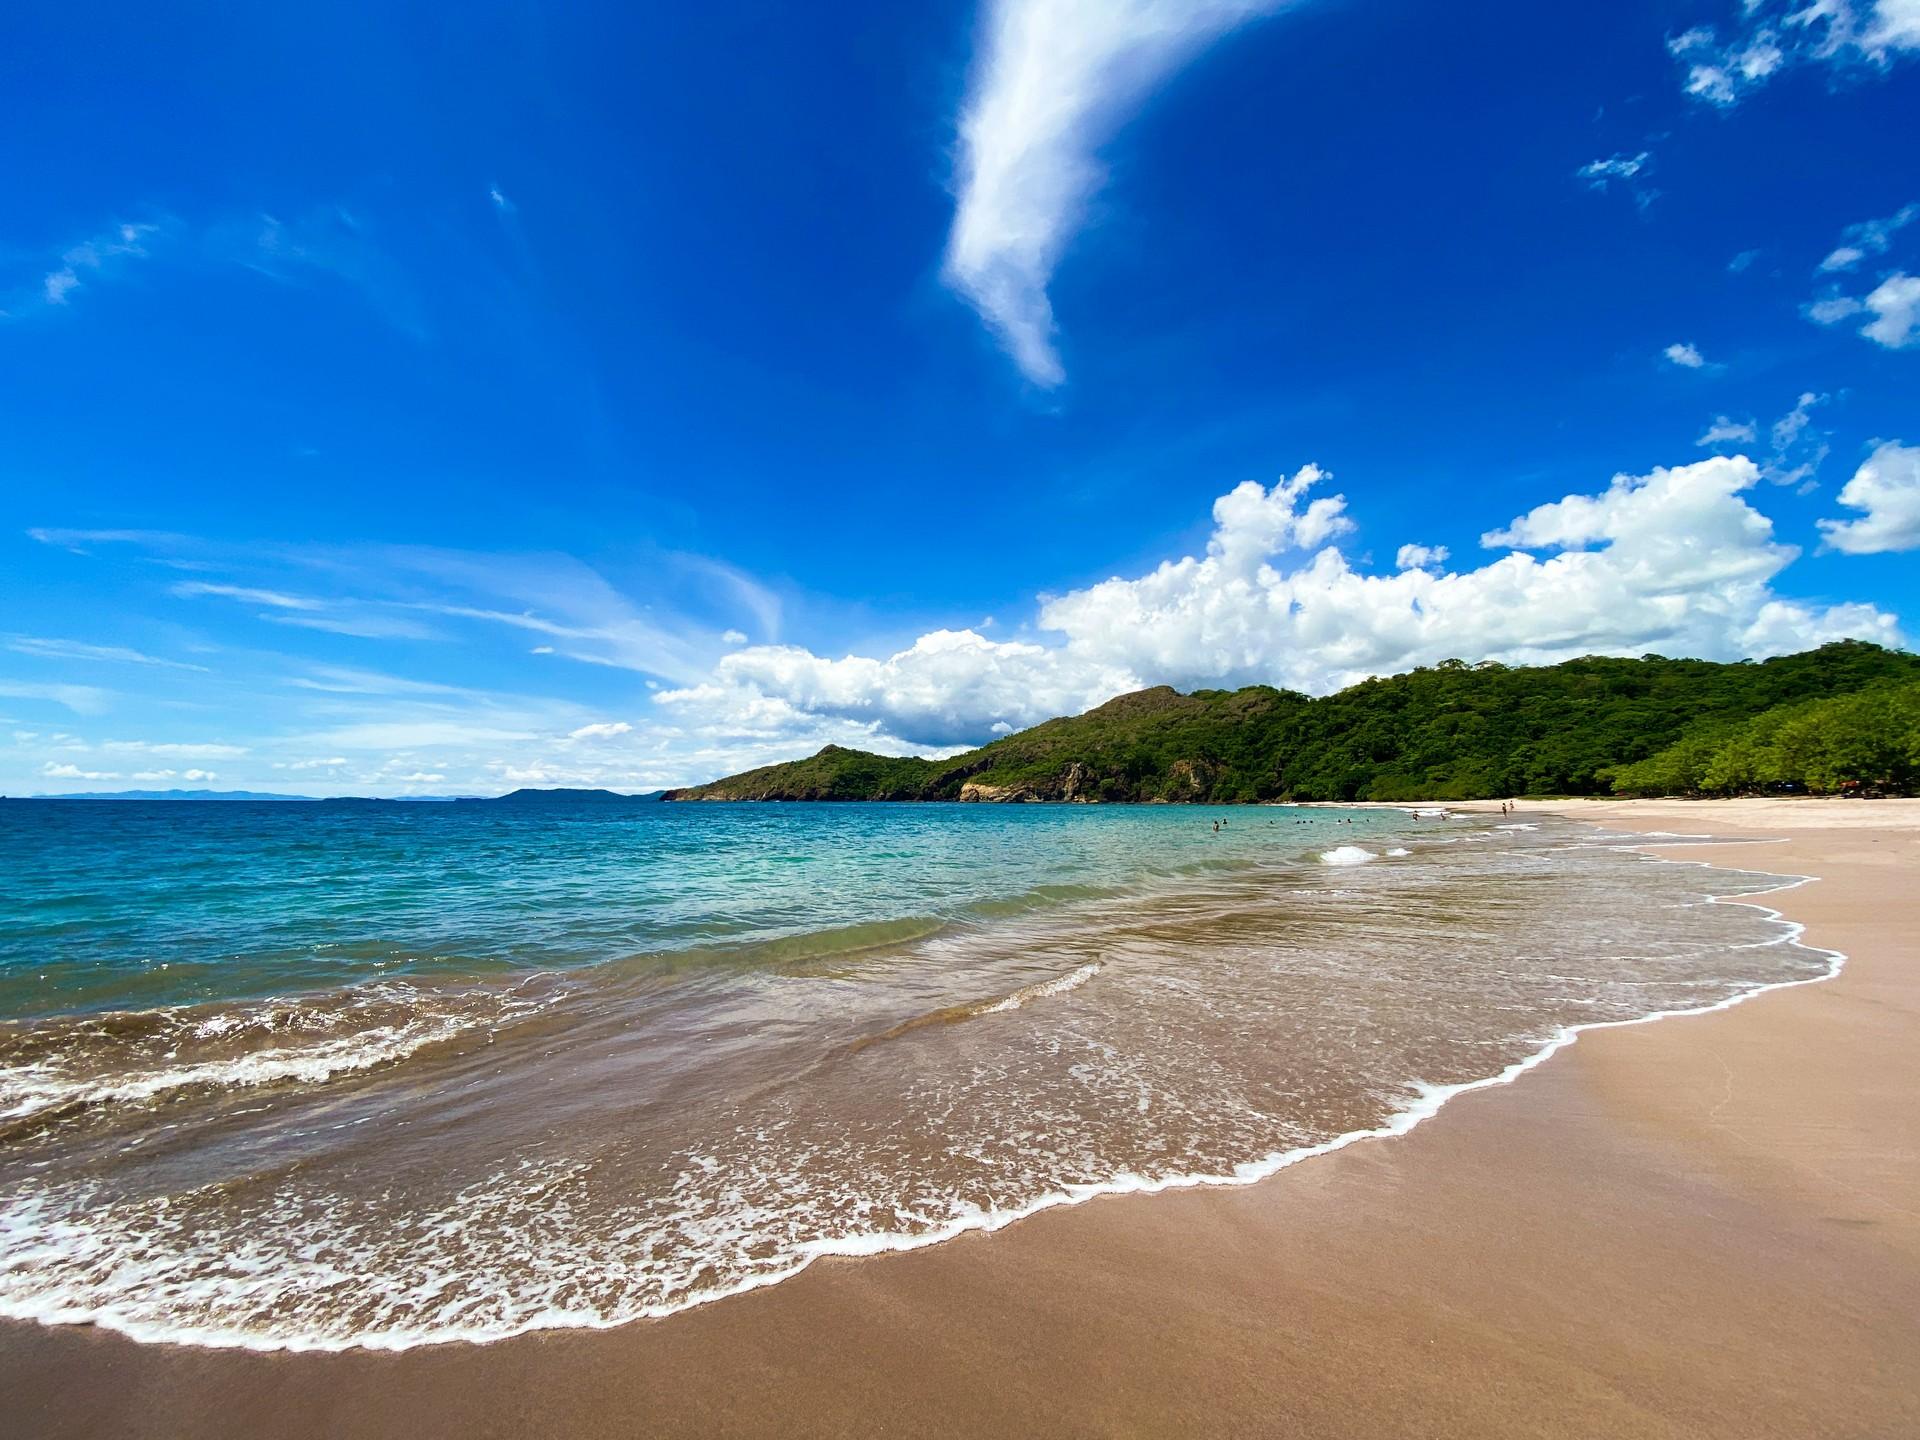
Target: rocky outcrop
pixel 975 791
pixel 1190 779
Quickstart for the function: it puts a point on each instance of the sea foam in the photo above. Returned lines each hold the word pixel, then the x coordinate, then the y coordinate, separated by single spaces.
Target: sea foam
pixel 1346 855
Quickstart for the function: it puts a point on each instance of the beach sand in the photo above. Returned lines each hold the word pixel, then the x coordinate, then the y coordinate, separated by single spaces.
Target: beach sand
pixel 1706 1226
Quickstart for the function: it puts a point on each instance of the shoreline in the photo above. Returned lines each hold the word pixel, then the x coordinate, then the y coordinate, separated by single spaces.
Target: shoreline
pixel 789 1349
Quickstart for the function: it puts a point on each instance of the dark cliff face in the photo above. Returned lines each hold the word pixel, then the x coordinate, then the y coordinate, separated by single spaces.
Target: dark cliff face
pixel 1446 732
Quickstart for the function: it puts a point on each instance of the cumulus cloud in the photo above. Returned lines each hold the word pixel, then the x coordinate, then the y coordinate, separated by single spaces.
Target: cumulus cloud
pixel 1893 305
pixel 1675 560
pixel 1419 557
pixel 1686 356
pixel 1052 83
pixel 1767 37
pixel 74 772
pixel 1886 488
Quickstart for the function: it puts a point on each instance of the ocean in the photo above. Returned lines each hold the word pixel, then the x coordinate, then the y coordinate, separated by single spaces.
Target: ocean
pixel 318 1076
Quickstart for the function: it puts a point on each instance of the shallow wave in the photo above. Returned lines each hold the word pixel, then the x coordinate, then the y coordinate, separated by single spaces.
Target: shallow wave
pixel 1347 855
pixel 1040 990
pixel 1172 1072
pixel 134 1058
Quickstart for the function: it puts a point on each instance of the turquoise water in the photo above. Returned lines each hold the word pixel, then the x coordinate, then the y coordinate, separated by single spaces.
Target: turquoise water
pixel 316 1076
pixel 125 904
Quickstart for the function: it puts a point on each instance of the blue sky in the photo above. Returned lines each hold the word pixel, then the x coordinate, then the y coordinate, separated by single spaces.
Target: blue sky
pixel 413 402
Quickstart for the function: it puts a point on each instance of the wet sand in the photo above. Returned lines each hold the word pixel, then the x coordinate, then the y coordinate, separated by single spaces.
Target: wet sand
pixel 1705 1226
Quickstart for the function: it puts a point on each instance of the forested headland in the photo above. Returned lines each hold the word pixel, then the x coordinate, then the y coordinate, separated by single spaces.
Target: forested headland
pixel 1844 718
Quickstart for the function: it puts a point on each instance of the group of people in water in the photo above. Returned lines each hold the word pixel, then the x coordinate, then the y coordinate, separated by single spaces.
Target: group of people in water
pixel 1507 807
pixel 1220 825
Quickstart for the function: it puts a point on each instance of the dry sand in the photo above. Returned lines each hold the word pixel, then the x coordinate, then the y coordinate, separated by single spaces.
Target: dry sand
pixel 1708 1226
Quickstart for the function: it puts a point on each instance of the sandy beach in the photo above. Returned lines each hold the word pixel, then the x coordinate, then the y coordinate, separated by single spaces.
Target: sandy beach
pixel 1705 1226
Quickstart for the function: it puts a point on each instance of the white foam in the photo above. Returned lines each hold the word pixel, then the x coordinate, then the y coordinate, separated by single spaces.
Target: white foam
pixel 1346 855
pixel 26 1234
pixel 1398 851
pixel 33 1088
pixel 1059 985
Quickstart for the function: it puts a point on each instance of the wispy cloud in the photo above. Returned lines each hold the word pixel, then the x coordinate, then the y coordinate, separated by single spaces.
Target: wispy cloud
pixel 277 599
pixel 1765 38
pixel 1630 172
pixel 329 242
pixel 1725 430
pixel 81 699
pixel 78 540
pixel 48 648
pixel 601 730
pixel 91 257
pixel 176 750
pixel 364 626
pixel 1685 355
pixel 1052 83
pixel 98 257
pixel 1868 238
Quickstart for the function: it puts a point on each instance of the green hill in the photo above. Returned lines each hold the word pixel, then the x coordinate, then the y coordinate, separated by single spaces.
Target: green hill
pixel 1447 732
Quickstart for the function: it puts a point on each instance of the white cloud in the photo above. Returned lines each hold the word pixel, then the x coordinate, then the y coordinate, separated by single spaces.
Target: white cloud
pixel 81 699
pixel 1675 560
pixel 1894 305
pixel 74 772
pixel 1887 488
pixel 177 750
pixel 1053 81
pixel 55 649
pixel 92 257
pixel 364 626
pixel 1419 557
pixel 1686 356
pixel 1630 172
pixel 1725 430
pixel 733 637
pixel 1601 173
pixel 1768 37
pixel 198 775
pixel 1870 237
pixel 276 599
pixel 601 730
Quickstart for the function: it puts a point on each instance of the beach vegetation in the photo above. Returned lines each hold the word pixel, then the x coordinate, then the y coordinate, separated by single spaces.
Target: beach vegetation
pixel 1826 720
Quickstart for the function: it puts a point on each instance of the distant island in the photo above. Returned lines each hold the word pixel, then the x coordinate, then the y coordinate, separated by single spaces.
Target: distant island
pixel 1844 718
pixel 562 796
